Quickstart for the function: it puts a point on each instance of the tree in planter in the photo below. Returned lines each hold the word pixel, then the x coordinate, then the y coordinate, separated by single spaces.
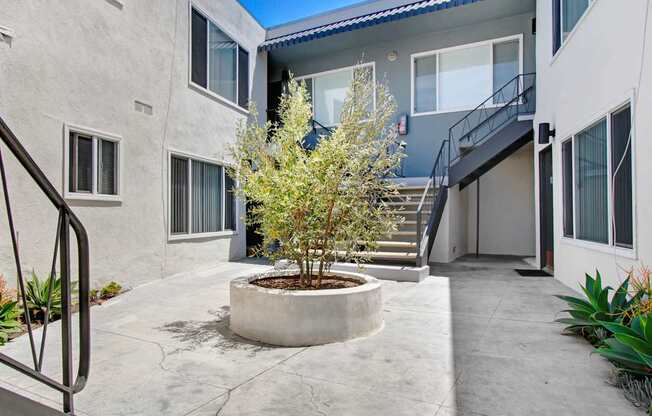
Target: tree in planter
pixel 314 207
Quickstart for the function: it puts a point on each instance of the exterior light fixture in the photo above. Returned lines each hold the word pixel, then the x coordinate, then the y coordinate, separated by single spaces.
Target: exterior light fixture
pixel 545 133
pixel 392 56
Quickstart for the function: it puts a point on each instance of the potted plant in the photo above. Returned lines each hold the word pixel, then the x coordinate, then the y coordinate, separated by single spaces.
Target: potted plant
pixel 314 207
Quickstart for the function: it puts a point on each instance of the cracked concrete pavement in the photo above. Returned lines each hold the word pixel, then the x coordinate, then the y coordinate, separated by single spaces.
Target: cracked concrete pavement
pixel 478 340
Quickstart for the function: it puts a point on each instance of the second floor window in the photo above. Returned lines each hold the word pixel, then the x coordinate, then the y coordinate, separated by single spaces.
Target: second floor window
pixel 328 91
pixel 218 63
pixel 566 14
pixel 460 78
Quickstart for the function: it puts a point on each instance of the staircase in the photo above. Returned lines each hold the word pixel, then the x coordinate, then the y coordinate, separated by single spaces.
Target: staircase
pixel 402 246
pixel 484 137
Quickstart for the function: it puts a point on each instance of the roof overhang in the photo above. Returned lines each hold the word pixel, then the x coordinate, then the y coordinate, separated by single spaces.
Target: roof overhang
pixel 360 22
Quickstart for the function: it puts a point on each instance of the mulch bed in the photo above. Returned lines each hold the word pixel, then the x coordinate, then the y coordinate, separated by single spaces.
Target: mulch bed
pixel 292 283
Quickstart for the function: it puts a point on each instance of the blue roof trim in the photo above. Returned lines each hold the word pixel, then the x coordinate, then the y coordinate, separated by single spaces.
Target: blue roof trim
pixel 360 22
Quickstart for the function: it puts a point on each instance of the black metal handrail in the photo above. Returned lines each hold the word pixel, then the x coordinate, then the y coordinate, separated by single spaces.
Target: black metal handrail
pixel 70 384
pixel 516 97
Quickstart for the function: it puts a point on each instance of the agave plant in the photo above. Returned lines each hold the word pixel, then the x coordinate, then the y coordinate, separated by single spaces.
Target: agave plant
pixel 587 315
pixel 9 323
pixel 37 292
pixel 630 347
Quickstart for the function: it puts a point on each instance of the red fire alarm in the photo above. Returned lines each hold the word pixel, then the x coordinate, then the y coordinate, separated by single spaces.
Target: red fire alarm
pixel 402 125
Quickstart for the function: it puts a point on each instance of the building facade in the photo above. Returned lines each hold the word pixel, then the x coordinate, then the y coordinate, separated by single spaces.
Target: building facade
pixel 120 105
pixel 130 108
pixel 593 61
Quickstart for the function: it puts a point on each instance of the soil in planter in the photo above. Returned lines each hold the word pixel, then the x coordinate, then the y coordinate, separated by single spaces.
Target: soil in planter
pixel 292 283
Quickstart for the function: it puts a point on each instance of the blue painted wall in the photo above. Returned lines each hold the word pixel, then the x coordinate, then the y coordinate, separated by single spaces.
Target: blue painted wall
pixel 408 36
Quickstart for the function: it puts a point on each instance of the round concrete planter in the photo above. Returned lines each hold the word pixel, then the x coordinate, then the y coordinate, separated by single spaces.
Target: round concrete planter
pixel 305 317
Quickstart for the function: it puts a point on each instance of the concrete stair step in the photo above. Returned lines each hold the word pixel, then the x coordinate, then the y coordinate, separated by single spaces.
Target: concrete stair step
pixel 397 244
pixel 380 255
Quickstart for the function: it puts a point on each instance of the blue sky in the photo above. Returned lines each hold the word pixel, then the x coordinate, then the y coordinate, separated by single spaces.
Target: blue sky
pixel 274 12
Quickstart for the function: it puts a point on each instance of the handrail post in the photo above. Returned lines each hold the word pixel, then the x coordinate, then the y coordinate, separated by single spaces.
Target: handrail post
pixel 419 231
pixel 66 315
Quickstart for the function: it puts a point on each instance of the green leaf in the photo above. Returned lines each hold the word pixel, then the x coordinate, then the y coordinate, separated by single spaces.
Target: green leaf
pixel 619 300
pixel 638 344
pixel 617 328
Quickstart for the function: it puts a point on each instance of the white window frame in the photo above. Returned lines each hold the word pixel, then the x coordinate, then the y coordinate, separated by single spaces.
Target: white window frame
pixel 438 52
pixel 609 247
pixel 312 76
pixel 96 135
pixel 236 205
pixel 563 41
pixel 206 90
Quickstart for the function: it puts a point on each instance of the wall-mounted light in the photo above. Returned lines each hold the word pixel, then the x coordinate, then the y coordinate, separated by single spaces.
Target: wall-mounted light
pixel 545 133
pixel 392 56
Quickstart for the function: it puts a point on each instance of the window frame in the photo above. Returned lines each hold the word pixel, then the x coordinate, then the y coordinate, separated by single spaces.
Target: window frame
pixel 437 52
pixel 209 20
pixel 560 29
pixel 611 246
pixel 190 235
pixel 312 76
pixel 96 136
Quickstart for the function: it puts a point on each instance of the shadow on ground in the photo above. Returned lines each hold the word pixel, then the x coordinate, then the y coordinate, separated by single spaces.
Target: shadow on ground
pixel 215 333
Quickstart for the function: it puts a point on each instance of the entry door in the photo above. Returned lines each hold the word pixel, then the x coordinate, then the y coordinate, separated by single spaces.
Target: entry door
pixel 546 210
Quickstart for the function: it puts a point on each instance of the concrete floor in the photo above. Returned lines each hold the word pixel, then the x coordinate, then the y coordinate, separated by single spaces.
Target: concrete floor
pixel 478 341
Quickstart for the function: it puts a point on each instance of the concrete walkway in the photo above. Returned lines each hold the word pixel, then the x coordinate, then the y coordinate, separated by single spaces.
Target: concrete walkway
pixel 478 341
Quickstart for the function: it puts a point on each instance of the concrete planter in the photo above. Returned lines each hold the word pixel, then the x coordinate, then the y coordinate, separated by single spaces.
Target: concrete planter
pixel 302 318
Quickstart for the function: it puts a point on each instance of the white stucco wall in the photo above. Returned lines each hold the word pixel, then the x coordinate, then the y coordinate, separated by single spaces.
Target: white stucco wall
pixel 506 208
pixel 604 63
pixel 506 213
pixel 85 63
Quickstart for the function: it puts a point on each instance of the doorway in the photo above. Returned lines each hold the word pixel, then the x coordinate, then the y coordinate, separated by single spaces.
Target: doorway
pixel 547 231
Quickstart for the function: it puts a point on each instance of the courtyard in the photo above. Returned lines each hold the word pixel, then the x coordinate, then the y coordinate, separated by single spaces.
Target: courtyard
pixel 474 338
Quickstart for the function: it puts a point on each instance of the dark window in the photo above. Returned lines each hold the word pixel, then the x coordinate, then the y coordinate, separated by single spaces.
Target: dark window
pixel 567 175
pixel 81 163
pixel 243 78
pixel 107 172
pixel 229 203
pixel 621 165
pixel 199 49
pixel 179 195
pixel 556 26
pixel 219 63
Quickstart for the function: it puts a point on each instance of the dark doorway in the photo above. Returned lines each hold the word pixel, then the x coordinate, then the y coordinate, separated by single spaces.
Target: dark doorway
pixel 546 210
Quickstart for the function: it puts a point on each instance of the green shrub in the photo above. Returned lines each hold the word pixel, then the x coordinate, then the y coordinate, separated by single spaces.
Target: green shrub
pixel 110 290
pixel 36 292
pixel 631 346
pixel 313 207
pixel 587 315
pixel 9 323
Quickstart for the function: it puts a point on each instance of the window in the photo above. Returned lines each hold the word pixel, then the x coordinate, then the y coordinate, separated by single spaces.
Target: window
pixel 566 14
pixel 218 63
pixel 592 184
pixel 567 177
pixel 621 172
pixel 328 92
pixel 201 197
pixel 92 162
pixel 597 182
pixel 460 78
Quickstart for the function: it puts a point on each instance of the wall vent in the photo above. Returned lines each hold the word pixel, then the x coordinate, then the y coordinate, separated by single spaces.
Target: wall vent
pixel 144 108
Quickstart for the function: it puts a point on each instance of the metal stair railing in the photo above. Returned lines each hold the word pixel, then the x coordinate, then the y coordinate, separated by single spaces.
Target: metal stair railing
pixel 517 97
pixel 70 383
